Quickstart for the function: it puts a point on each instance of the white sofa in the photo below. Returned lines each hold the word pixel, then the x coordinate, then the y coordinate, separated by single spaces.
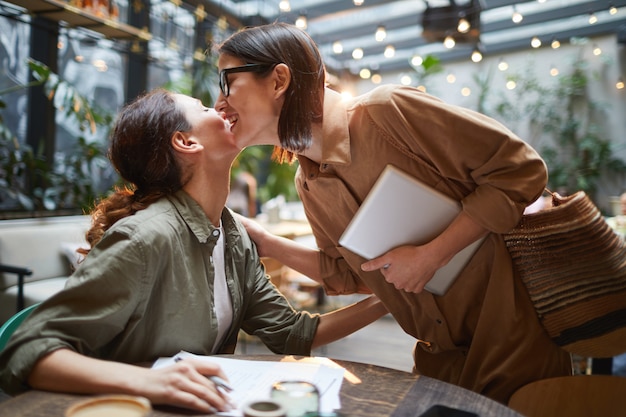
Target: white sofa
pixel 45 247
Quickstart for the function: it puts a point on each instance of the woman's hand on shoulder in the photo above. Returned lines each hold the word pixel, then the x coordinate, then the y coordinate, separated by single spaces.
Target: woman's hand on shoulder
pixel 257 233
pixel 186 384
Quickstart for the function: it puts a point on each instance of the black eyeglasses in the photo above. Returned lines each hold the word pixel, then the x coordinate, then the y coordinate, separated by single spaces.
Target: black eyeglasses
pixel 244 68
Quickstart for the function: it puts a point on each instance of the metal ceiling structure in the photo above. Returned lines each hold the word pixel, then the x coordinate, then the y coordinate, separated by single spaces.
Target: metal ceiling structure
pixel 330 21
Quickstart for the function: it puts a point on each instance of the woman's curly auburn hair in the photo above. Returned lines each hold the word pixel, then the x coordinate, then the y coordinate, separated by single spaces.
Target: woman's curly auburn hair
pixel 141 152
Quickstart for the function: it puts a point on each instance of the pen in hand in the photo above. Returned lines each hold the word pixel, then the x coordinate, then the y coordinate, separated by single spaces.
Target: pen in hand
pixel 215 379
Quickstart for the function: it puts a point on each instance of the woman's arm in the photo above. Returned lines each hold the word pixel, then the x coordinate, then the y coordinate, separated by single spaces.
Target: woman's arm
pixel 409 268
pixel 347 320
pixel 183 384
pixel 288 252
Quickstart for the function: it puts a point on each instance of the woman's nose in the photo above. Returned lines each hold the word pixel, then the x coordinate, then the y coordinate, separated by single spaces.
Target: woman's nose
pixel 220 102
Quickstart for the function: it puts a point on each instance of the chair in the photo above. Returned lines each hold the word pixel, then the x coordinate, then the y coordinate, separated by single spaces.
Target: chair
pixel 572 396
pixel 9 327
pixel 21 274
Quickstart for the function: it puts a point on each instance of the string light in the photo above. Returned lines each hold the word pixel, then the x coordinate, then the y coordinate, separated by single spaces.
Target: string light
pixel 357 53
pixel 465 91
pixel 301 22
pixel 417 60
pixel 503 65
pixel 199 54
pixel 337 47
pixel 284 6
pixel 365 73
pixel 517 17
pixel 535 42
pixel 555 44
pixel 612 9
pixel 358 2
pixel 406 80
pixel 592 18
pixel 200 13
pixel 554 71
pixel 451 78
pixel 463 26
pixel 449 42
pixel 510 85
pixel 381 33
pixel 620 84
pixel 596 50
pixel 376 78
pixel 477 56
pixel 222 23
pixel 390 51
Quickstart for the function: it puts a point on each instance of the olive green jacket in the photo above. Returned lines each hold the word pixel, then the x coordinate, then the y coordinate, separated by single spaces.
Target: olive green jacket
pixel 146 291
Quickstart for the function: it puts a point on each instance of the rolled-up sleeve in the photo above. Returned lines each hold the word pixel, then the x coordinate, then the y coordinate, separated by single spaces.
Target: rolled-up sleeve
pixel 68 321
pixel 500 172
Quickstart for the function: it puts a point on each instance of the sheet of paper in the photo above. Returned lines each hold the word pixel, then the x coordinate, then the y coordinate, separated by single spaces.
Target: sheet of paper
pixel 252 380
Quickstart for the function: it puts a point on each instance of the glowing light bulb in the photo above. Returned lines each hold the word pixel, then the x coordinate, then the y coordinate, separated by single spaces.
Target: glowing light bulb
pixel 381 33
pixel 449 42
pixel 284 6
pixel 416 60
pixel 477 56
pixel 463 26
pixel 535 42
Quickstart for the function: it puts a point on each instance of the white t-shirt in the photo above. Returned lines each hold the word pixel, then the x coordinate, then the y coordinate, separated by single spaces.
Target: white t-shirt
pixel 222 303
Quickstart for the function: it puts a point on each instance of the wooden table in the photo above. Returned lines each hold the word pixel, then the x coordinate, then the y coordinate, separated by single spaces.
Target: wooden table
pixel 367 390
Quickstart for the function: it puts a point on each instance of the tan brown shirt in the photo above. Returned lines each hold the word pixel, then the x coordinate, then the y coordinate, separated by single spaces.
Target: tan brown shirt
pixel 484 334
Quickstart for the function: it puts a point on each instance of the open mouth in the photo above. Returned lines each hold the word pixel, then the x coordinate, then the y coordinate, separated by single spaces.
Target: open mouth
pixel 232 121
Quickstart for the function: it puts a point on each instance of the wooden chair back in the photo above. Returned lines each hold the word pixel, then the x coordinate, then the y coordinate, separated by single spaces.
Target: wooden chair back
pixel 572 396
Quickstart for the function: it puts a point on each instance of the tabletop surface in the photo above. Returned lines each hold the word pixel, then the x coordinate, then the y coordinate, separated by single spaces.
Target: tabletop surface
pixel 367 390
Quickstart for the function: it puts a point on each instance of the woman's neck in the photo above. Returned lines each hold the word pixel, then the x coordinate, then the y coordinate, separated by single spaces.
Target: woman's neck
pixel 210 191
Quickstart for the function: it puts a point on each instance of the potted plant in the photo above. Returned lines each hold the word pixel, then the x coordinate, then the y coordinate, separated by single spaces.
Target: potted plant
pixel 70 182
pixel 567 128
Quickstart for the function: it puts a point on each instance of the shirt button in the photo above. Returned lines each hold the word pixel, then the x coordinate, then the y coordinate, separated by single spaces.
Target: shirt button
pixel 215 232
pixel 439 321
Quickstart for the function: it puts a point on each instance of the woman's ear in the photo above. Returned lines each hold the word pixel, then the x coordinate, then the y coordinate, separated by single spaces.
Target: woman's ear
pixel 282 78
pixel 185 142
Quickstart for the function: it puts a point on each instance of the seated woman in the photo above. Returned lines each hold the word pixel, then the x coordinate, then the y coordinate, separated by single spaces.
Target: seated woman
pixel 169 268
